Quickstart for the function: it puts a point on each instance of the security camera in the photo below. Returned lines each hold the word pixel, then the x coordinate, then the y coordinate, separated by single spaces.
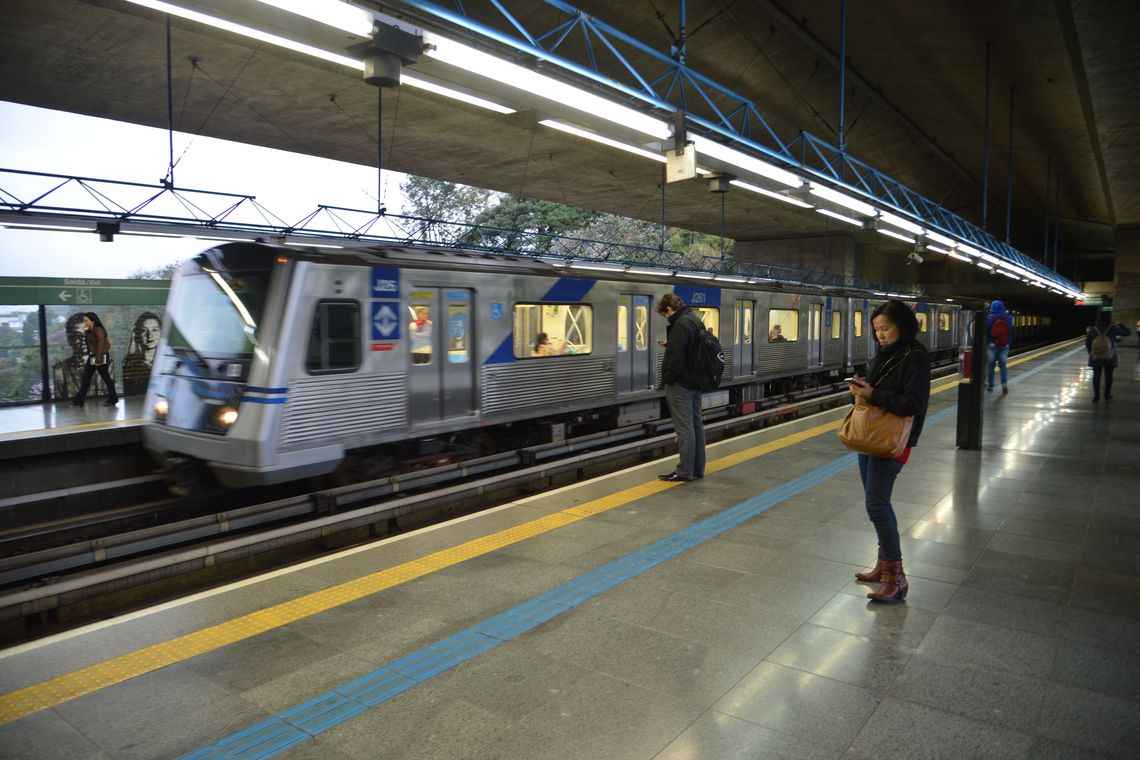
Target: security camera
pixel 913 258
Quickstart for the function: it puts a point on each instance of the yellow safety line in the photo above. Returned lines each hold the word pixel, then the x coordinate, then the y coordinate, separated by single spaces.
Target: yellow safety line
pixel 104 424
pixel 40 696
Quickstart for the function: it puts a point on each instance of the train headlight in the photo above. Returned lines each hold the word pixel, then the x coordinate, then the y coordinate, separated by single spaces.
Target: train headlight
pixel 161 409
pixel 227 416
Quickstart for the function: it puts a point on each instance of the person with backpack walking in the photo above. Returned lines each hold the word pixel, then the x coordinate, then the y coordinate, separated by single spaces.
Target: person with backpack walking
pixel 682 387
pixel 898 380
pixel 1100 342
pixel 998 334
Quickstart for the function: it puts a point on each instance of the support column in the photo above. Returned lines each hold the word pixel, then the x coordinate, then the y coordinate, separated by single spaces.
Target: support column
pixel 1126 302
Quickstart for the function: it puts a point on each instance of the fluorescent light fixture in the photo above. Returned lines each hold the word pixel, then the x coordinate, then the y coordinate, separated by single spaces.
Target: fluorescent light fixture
pixel 958 256
pixel 896 235
pixel 841 199
pixel 731 156
pixel 730 278
pixel 214 239
pixel 940 238
pixel 877 293
pixel 776 196
pixel 840 217
pixel 970 251
pixel 447 92
pixel 601 266
pixel 984 265
pixel 331 12
pixel 936 249
pixel 902 224
pixel 250 32
pixel 33 226
pixel 696 275
pixel 572 130
pixel 1010 275
pixel 307 244
pixel 474 61
pixel 150 234
pixel 648 270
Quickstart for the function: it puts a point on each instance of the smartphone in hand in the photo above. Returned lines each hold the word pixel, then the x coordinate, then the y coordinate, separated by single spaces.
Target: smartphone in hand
pixel 854 381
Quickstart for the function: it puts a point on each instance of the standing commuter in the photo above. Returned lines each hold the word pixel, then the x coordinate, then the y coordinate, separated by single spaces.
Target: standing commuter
pixel 898 379
pixel 998 334
pixel 1100 342
pixel 98 357
pixel 681 389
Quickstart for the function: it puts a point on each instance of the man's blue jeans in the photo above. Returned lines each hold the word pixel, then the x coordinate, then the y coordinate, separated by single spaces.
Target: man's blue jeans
pixel 996 354
pixel 878 477
pixel 685 408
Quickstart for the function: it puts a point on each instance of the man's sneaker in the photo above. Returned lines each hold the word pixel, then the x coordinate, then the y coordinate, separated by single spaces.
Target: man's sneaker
pixel 1005 390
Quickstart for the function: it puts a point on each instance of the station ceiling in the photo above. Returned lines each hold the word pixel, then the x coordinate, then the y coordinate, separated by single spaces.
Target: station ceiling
pixel 915 105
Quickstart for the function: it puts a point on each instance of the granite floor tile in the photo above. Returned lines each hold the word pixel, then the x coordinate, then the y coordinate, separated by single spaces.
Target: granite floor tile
pixel 1092 721
pixel 46 736
pixel 720 736
pixel 814 709
pixel 859 660
pixel 1097 669
pixel 987 646
pixel 984 605
pixel 908 730
pixel 1106 591
pixel 901 624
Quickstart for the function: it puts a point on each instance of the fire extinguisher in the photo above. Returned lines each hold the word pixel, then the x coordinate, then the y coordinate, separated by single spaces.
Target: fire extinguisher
pixel 966 366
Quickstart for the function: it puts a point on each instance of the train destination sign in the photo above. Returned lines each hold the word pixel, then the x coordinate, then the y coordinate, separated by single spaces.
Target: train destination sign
pixel 80 292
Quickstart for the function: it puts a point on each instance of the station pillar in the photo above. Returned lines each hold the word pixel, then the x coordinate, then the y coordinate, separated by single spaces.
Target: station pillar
pixel 972 367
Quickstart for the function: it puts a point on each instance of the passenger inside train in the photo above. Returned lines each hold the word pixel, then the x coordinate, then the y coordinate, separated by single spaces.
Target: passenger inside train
pixel 775 335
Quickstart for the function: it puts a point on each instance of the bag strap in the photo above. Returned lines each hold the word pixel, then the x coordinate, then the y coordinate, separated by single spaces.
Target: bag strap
pixel 894 366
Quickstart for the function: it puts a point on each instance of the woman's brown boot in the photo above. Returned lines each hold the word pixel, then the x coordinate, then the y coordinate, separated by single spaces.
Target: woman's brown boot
pixel 894 584
pixel 875 574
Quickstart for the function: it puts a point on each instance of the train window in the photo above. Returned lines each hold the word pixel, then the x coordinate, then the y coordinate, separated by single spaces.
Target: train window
pixel 944 321
pixel 783 325
pixel 419 331
pixel 641 326
pixel 858 323
pixel 710 318
pixel 551 329
pixel 836 325
pixel 921 316
pixel 622 328
pixel 457 342
pixel 334 341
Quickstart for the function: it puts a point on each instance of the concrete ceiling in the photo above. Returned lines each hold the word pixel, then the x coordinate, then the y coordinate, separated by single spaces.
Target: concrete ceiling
pixel 915 106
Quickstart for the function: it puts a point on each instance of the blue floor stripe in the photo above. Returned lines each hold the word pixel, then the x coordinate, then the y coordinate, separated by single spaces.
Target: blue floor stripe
pixel 301 723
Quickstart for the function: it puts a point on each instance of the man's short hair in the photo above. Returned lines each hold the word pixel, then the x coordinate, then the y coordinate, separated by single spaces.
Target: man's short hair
pixel 670 301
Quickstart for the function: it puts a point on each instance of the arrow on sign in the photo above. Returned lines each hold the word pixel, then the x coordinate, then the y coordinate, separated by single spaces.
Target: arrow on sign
pixel 385 321
pixel 64 295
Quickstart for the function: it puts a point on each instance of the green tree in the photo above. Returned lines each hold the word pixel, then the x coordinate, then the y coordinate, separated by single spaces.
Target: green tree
pixel 441 201
pixel 526 223
pixel 157 273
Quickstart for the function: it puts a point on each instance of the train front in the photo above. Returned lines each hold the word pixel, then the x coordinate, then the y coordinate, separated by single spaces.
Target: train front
pixel 200 406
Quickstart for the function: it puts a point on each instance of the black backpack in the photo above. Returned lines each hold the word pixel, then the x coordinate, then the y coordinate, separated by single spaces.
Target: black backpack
pixel 707 361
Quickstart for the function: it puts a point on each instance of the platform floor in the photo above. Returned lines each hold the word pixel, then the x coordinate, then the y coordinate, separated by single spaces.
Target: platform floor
pixel 624 617
pixel 33 420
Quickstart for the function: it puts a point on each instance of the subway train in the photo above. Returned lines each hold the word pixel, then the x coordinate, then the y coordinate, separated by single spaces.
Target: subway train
pixel 280 363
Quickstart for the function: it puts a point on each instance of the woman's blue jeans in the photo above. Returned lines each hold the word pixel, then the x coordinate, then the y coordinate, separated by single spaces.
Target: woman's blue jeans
pixel 878 477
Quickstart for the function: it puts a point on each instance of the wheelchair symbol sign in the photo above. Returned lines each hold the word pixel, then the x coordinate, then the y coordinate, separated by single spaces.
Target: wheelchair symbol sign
pixel 385 320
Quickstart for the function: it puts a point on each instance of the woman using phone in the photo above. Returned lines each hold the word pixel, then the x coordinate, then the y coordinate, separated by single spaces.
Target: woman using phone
pixel 898 379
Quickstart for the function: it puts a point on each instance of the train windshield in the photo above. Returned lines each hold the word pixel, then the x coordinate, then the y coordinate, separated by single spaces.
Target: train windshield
pixel 216 312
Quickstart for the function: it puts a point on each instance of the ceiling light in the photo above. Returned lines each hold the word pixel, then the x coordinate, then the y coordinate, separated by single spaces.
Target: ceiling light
pixel 947 251
pixel 331 12
pixel 769 193
pixel 958 256
pixel 603 140
pixel 696 275
pixel 971 251
pixel 984 265
pixel 743 161
pixel 601 266
pixel 840 217
pixel 647 270
pixel 730 278
pixel 474 61
pixel 246 31
pixel 840 199
pixel 60 227
pixel 902 224
pixel 438 89
pixel 896 235
pixel 939 238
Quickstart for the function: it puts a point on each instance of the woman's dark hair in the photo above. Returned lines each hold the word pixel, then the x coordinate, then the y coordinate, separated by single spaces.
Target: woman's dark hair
pixel 1104 318
pixel 540 339
pixel 901 314
pixel 94 318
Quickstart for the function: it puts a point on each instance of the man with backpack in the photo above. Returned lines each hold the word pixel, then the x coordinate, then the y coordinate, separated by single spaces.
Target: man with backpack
pixel 1100 342
pixel 682 387
pixel 998 334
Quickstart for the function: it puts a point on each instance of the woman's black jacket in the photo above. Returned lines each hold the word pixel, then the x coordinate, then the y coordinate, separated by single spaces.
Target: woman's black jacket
pixel 900 375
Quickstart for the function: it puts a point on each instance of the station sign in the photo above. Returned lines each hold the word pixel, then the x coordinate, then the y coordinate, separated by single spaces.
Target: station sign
pixel 79 292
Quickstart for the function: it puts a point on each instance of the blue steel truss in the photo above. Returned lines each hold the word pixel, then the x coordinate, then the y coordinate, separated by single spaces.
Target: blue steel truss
pixel 163 209
pixel 664 83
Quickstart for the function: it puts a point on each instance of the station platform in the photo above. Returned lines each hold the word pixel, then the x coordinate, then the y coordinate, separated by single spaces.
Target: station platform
pixel 625 617
pixel 29 429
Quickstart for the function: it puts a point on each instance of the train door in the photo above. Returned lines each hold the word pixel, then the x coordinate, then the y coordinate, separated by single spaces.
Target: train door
pixel 441 380
pixel 744 318
pixel 815 344
pixel 633 359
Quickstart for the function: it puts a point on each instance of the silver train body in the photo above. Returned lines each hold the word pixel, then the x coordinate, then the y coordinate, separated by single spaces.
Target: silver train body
pixel 277 363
